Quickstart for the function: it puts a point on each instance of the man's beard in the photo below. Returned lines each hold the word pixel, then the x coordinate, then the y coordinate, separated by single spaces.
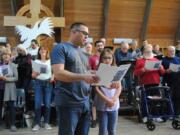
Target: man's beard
pixel 150 56
pixel 100 50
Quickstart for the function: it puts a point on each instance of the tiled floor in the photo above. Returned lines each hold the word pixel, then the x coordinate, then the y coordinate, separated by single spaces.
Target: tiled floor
pixel 126 126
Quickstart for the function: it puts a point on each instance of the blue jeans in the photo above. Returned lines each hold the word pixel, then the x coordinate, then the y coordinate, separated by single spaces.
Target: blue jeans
pixel 107 122
pixel 42 91
pixel 73 120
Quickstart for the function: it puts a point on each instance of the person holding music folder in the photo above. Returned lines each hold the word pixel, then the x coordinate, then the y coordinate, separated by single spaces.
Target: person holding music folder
pixel 172 78
pixel 42 88
pixel 10 76
pixel 146 77
pixel 72 89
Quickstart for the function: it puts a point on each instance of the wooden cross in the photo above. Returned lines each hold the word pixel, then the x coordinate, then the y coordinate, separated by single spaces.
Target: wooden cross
pixel 35 11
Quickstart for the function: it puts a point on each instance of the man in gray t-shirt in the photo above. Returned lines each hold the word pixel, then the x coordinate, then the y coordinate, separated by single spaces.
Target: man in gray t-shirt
pixel 72 87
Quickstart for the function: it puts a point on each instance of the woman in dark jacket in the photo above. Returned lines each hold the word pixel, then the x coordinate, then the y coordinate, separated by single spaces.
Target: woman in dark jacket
pixel 23 60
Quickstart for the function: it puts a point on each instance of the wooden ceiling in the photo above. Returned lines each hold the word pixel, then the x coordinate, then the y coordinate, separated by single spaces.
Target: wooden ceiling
pixel 112 18
pixel 164 18
pixel 126 18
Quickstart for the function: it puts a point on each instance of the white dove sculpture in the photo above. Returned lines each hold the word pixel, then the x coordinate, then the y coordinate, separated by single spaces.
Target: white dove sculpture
pixel 41 27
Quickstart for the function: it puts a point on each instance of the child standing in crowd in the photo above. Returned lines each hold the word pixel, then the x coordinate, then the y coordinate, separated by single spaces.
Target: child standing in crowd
pixel 107 100
pixel 42 88
pixel 10 76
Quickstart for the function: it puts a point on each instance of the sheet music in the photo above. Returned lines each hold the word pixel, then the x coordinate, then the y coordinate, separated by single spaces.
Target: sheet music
pixel 4 70
pixel 152 65
pixel 40 68
pixel 174 67
pixel 109 74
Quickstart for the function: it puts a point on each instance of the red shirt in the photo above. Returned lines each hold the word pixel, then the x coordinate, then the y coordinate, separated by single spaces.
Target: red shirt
pixel 147 77
pixel 93 62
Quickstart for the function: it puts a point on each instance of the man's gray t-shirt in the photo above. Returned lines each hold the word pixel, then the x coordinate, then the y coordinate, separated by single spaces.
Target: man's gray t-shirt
pixel 72 93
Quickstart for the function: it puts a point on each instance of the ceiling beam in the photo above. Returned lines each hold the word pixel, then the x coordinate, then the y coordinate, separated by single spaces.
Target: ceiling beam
pixel 147 13
pixel 61 8
pixel 105 18
pixel 61 15
pixel 60 12
pixel 13 7
pixel 177 35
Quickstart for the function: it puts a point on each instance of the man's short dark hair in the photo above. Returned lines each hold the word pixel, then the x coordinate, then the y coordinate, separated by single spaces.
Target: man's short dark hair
pixel 35 41
pixel 97 42
pixel 77 25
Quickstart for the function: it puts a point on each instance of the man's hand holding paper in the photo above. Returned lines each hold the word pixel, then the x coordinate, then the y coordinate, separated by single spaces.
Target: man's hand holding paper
pixel 152 65
pixel 174 67
pixel 111 76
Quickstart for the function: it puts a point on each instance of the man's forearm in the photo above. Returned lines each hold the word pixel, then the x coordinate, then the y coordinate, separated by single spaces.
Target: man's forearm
pixel 66 76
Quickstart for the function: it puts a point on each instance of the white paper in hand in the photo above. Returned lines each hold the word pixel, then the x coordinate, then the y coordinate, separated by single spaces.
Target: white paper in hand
pixel 152 65
pixel 109 74
pixel 4 70
pixel 39 68
pixel 174 67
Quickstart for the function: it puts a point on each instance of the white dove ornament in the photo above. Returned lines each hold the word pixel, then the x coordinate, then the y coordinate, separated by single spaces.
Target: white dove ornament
pixel 41 27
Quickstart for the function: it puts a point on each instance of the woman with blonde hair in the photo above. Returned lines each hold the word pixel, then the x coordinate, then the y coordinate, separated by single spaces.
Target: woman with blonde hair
pixel 9 75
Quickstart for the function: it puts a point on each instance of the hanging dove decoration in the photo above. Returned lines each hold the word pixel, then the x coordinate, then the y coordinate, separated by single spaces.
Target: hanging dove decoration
pixel 41 27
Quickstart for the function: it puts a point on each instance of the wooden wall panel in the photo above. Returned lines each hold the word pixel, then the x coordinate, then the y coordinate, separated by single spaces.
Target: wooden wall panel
pixel 125 18
pixel 5 9
pixel 88 11
pixel 164 18
pixel 49 3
